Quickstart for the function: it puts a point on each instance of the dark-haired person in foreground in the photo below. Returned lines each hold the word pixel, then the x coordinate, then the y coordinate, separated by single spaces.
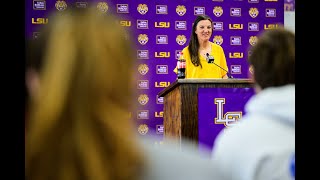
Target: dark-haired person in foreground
pixel 261 146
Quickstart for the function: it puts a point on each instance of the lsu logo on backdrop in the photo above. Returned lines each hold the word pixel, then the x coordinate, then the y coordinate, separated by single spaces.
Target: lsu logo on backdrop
pixel 158 114
pixel 143 39
pixel 162 24
pixel 271 12
pixel 143 69
pixel 235 12
pixel 103 7
pixel 161 9
pixel 229 118
pixel 270 26
pixel 162 39
pixel 61 5
pixel 199 10
pixel 217 11
pixel 235 69
pixel 142 54
pixel 143 114
pixel 39 20
pixel 217 26
pixel 162 69
pixel 161 54
pixel 253 40
pixel 143 84
pixel 177 52
pixel 125 23
pixel 181 10
pixel 181 25
pixel 35 35
pixel 39 5
pixel 142 24
pixel 142 9
pixel 122 8
pixel 235 40
pixel 159 129
pixel 161 84
pixel 253 12
pixel 236 55
pixel 270 0
pixel 143 99
pixel 218 39
pixel 159 100
pixel 253 1
pixel 253 26
pixel 235 26
pixel 143 129
pixel 81 4
pixel 181 40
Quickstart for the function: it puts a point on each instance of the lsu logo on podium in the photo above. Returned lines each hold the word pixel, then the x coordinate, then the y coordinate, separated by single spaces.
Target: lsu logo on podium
pixel 39 20
pixel 162 54
pixel 161 84
pixel 125 23
pixel 162 24
pixel 158 114
pixel 235 26
pixel 228 118
pixel 236 55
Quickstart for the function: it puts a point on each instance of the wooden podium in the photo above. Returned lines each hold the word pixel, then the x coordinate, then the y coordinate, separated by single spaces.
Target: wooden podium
pixel 180 108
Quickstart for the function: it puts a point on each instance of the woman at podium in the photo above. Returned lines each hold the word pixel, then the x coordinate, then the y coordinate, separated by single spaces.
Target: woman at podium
pixel 203 58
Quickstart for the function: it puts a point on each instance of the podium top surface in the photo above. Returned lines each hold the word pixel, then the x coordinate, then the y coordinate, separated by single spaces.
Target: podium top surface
pixel 203 81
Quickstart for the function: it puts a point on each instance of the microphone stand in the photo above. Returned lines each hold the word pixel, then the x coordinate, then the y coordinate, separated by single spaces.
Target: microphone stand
pixel 211 60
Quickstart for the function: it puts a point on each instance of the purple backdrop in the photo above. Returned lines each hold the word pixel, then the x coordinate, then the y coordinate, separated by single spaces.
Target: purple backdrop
pixel 162 28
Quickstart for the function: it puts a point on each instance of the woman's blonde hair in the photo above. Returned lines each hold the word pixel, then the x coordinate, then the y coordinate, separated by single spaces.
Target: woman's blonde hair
pixel 79 126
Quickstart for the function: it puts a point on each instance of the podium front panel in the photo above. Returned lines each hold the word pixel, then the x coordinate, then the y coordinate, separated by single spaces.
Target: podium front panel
pixel 219 108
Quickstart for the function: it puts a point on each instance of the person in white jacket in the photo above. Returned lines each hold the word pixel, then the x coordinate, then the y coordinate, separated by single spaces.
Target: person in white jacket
pixel 261 145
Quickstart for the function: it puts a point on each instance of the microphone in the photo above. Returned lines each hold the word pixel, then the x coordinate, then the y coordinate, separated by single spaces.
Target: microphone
pixel 210 59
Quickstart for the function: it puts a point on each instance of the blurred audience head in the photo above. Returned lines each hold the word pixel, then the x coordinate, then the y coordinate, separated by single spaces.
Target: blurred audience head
pixel 272 59
pixel 79 125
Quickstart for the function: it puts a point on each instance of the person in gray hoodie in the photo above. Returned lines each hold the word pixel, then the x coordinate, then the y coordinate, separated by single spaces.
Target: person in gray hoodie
pixel 261 145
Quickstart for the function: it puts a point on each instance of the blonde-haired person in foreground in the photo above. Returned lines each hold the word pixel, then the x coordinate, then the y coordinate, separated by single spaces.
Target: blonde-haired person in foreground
pixel 78 125
pixel 262 145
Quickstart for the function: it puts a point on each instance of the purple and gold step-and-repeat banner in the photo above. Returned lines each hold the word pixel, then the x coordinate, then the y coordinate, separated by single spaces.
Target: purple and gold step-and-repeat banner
pixel 162 28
